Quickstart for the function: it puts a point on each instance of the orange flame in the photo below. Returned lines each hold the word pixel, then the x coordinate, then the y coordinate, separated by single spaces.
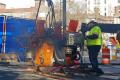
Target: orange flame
pixel 44 55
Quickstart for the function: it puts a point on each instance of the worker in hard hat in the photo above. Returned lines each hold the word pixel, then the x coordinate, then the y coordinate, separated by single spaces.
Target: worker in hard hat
pixel 94 42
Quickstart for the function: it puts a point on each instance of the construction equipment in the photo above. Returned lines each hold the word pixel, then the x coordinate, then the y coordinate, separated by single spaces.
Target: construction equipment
pixel 56 54
pixel 65 52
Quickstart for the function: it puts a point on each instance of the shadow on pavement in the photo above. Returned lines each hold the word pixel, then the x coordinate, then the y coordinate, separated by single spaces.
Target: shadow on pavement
pixel 89 77
pixel 8 75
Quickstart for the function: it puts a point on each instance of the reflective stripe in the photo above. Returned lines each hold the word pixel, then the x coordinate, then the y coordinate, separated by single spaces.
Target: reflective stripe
pixel 94 42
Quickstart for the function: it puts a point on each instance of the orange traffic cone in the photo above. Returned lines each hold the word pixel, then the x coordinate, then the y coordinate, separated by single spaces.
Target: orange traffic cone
pixel 105 61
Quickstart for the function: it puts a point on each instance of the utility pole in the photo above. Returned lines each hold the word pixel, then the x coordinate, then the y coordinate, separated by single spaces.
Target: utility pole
pixel 64 15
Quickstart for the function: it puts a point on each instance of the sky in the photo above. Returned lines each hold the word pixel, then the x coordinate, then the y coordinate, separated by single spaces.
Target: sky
pixel 18 3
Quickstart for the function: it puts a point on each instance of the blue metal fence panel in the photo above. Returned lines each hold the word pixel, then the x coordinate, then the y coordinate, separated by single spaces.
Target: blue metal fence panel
pixel 18 32
pixel 1 29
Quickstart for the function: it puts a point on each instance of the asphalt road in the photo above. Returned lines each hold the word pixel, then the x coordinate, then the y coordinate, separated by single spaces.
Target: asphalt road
pixel 22 73
pixel 19 73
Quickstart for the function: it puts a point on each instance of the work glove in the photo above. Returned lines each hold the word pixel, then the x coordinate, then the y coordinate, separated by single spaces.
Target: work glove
pixel 94 36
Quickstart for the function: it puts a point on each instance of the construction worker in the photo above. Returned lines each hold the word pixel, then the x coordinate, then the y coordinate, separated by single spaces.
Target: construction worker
pixel 94 41
pixel 118 36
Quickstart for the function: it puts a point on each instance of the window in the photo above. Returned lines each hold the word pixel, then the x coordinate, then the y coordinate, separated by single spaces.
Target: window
pixel 105 13
pixel 88 2
pixel 119 7
pixel 119 11
pixel 118 1
pixel 105 1
pixel 97 2
pixel 105 9
pixel 94 1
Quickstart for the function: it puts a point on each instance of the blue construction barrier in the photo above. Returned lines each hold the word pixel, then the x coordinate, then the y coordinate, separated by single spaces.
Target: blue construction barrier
pixel 1 29
pixel 105 27
pixel 18 33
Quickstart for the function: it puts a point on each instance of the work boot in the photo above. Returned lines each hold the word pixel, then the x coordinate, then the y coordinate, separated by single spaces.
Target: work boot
pixel 99 72
pixel 92 70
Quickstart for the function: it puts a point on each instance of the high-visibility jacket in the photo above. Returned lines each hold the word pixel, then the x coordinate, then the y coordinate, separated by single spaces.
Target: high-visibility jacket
pixel 118 45
pixel 97 41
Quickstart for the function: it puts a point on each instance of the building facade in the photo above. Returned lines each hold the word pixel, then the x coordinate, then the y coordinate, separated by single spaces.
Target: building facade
pixel 24 12
pixel 106 7
pixel 104 11
pixel 2 6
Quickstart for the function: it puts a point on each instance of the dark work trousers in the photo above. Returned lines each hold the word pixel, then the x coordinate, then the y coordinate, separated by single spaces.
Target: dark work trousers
pixel 93 52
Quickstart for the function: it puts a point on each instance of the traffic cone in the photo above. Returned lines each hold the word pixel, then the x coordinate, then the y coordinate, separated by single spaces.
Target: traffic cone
pixel 105 55
pixel 106 61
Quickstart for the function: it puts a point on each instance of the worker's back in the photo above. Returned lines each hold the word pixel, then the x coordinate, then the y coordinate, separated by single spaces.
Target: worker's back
pixel 118 36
